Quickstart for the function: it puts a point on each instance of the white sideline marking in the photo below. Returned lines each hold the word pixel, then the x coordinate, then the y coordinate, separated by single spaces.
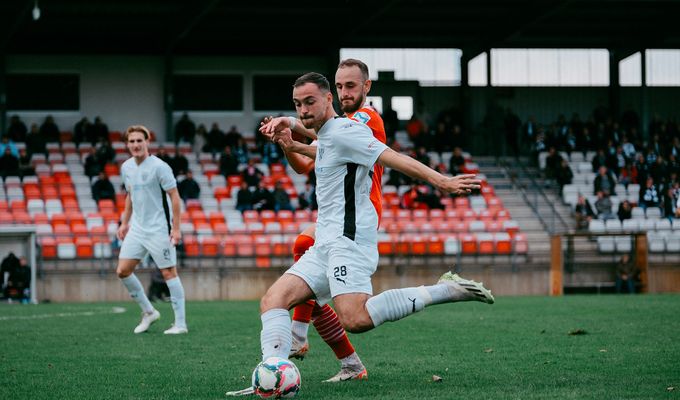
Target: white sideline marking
pixel 113 310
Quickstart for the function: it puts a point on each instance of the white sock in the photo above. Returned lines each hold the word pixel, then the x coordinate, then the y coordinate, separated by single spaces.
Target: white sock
pixel 352 360
pixel 395 304
pixel 299 331
pixel 177 299
pixel 440 293
pixel 134 286
pixel 276 338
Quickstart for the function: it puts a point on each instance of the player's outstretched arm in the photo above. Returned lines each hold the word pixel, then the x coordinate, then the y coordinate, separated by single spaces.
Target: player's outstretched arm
pixel 460 184
pixel 273 125
pixel 175 232
pixel 285 140
pixel 125 219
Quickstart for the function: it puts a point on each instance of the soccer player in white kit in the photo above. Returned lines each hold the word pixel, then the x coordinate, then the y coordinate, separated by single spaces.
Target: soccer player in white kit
pixel 147 226
pixel 345 255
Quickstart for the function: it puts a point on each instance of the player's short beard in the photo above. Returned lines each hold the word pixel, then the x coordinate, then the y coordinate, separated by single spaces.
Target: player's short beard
pixel 350 108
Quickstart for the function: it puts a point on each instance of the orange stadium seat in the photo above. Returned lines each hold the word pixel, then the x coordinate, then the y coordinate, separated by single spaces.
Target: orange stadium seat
pixel 303 216
pixel 452 215
pixel 210 246
pixel 267 216
pixel 468 243
pixel 521 243
pixel 386 244
pixel 191 246
pixel 435 245
pixel 485 243
pixel 216 217
pixel 493 226
pixel 418 245
pixel 503 243
pixel 6 218
pixel 251 216
pixel 284 216
pixel 461 203
pixel 222 193
pixel 244 245
pixel 220 229
pixel 84 247
pixel 79 230
pixel 436 215
pixel 48 247
pixel 228 246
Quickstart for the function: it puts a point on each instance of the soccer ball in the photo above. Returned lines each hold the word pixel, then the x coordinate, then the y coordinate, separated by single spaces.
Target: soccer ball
pixel 276 378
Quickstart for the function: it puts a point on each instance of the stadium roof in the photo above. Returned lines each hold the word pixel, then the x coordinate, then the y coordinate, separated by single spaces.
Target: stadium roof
pixel 221 27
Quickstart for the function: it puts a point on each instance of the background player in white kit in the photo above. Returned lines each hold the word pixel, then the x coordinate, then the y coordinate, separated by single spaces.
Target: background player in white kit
pixel 147 226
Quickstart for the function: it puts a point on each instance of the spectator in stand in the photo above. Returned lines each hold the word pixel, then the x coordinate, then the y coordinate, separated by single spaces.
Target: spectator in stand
pixel 625 210
pixel 539 146
pixel 599 160
pixel 251 175
pixel 417 132
pixel 93 165
pixel 431 198
pixel 228 163
pixel 232 137
pixel 603 205
pixel 49 130
pixel 563 175
pixel 410 200
pixel 583 213
pixel 81 131
pixel 649 194
pixel 185 130
pixel 604 181
pixel 617 160
pixel 422 156
pixel 628 174
pixel 307 199
pixel 659 170
pixel 263 199
pixel 625 274
pixel 675 147
pixel 272 153
pixel 215 141
pixel 281 198
pixel 180 164
pixel 391 122
pixel 163 155
pixel 671 201
pixel 188 188
pixel 201 139
pixel 628 148
pixel 103 188
pixel 457 162
pixel 25 166
pixel 529 132
pixel 17 129
pixel 552 163
pixel 9 164
pixel 244 198
pixel 641 167
pixel 241 151
pixel 7 143
pixel 100 132
pixel 673 165
pixel 396 178
pixel 35 141
pixel 105 151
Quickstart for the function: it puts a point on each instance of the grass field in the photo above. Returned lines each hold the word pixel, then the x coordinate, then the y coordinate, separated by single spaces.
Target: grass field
pixel 519 348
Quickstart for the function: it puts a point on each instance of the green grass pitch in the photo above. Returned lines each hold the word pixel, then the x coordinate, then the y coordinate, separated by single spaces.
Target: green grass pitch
pixel 518 348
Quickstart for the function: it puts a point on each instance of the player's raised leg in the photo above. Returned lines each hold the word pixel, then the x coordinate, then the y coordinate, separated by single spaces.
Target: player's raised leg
pixel 125 272
pixel 360 313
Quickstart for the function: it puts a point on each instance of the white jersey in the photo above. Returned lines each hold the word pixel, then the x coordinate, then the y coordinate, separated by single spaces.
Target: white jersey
pixel 146 184
pixel 345 155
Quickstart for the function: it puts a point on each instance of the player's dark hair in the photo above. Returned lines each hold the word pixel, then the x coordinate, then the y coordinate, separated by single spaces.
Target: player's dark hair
pixel 315 78
pixel 353 62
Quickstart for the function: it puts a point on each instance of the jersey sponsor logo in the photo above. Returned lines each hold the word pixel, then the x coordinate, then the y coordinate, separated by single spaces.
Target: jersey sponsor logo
pixel 372 144
pixel 362 117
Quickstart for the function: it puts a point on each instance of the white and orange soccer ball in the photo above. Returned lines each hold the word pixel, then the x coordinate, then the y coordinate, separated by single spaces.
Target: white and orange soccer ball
pixel 276 378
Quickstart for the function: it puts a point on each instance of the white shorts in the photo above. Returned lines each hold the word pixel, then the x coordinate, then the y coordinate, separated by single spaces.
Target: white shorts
pixel 340 267
pixel 136 245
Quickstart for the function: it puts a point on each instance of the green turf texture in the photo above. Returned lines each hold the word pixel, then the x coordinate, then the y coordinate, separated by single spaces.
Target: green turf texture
pixel 518 348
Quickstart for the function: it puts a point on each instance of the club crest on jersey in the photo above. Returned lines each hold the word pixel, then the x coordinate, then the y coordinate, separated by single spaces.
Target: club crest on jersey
pixel 361 117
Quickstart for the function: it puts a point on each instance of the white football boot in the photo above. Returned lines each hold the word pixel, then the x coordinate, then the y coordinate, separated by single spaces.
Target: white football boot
pixel 176 330
pixel 298 350
pixel 466 290
pixel 147 320
pixel 349 372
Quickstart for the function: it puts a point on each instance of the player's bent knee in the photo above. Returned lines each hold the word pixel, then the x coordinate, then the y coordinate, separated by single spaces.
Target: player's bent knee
pixel 356 323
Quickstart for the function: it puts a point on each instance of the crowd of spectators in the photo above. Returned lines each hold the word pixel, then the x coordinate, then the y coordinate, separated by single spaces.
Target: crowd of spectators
pixel 622 156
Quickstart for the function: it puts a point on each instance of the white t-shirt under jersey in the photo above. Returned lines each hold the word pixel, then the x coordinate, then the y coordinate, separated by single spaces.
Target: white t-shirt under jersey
pixel 345 155
pixel 147 183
